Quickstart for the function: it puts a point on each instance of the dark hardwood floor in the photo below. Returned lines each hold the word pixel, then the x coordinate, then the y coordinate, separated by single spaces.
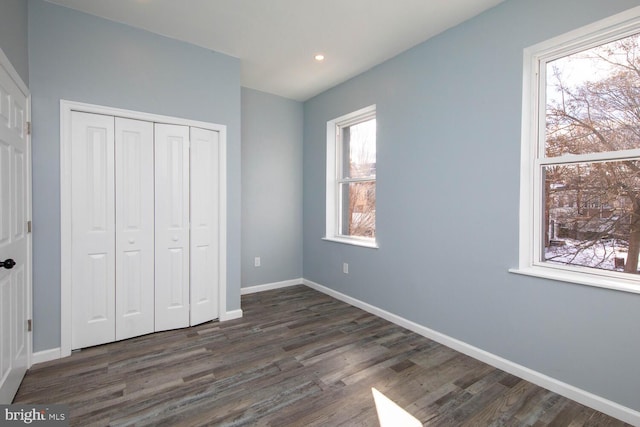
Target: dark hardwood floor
pixel 297 357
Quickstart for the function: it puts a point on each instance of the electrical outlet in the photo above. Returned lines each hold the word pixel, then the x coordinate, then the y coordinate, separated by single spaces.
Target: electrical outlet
pixel 256 261
pixel 345 268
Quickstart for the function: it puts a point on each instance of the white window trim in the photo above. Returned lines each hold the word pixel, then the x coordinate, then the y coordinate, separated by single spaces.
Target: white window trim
pixel 333 167
pixel 616 26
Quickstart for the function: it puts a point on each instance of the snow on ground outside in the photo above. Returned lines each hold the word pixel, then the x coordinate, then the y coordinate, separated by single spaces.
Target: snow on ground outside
pixel 598 255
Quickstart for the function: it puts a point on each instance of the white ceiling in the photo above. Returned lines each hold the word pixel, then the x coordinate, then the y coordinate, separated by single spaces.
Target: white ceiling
pixel 276 40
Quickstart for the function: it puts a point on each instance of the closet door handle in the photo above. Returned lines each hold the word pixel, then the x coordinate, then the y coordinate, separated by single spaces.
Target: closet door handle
pixel 8 263
pixel 175 238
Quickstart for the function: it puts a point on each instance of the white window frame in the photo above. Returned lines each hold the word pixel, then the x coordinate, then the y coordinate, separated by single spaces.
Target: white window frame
pixel 334 163
pixel 532 154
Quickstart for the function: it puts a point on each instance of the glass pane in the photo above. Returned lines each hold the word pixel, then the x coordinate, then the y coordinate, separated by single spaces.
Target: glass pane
pixel 358 208
pixel 592 100
pixel 592 215
pixel 359 150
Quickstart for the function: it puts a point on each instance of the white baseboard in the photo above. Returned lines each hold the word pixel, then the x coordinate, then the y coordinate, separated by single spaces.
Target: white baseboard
pixel 270 286
pixel 231 315
pixel 596 402
pixel 46 355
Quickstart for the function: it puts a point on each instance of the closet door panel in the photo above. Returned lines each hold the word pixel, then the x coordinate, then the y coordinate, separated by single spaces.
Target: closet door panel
pixel 93 234
pixel 172 226
pixel 134 228
pixel 204 225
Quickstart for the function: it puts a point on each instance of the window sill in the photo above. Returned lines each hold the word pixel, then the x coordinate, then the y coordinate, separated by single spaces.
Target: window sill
pixel 595 280
pixel 355 242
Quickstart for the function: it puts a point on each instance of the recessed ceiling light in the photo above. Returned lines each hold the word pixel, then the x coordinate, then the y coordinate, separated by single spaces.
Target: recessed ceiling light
pixel 319 57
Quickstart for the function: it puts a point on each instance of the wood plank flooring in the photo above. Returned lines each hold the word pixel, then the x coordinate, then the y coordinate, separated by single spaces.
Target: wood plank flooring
pixel 296 358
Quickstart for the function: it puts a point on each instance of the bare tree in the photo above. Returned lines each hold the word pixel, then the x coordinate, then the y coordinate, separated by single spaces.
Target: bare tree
pixel 598 201
pixel 362 208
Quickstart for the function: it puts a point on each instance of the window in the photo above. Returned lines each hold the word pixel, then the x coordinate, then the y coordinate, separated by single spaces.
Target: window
pixel 580 183
pixel 351 178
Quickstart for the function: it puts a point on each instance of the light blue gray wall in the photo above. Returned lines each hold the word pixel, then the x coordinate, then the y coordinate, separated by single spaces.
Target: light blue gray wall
pixel 79 57
pixel 271 188
pixel 13 35
pixel 447 204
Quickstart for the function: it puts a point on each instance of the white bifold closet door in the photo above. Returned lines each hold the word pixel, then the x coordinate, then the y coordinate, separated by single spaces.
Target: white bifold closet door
pixel 172 226
pixel 134 228
pixel 204 225
pixel 93 231
pixel 145 236
pixel 112 232
pixel 186 165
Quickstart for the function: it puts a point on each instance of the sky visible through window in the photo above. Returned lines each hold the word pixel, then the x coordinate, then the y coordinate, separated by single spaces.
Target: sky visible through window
pixel 362 145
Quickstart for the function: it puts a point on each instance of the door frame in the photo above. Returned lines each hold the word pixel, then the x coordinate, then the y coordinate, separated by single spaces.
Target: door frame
pixel 66 108
pixel 22 86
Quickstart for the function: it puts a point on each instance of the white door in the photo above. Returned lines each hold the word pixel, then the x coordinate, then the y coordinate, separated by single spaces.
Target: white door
pixel 204 225
pixel 134 228
pixel 144 221
pixel 93 230
pixel 14 239
pixel 172 226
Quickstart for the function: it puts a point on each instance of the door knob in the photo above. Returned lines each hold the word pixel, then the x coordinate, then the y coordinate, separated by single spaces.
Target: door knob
pixel 8 264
